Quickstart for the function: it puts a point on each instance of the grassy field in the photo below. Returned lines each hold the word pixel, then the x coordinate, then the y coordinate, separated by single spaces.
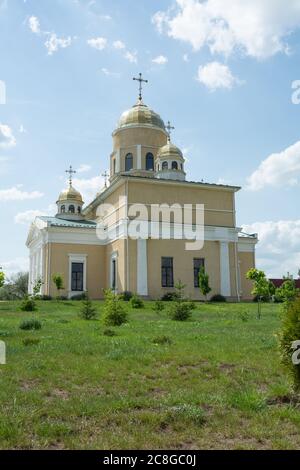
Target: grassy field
pixel 217 385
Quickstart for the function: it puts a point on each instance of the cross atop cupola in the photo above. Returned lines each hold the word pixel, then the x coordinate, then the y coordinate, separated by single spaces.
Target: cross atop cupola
pixel 71 172
pixel 169 128
pixel 141 80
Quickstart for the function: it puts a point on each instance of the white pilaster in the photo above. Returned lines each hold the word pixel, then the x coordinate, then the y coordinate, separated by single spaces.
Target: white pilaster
pixel 118 161
pixel 139 157
pixel 142 267
pixel 225 269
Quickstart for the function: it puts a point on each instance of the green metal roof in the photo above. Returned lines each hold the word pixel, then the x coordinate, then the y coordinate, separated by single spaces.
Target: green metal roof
pixel 58 222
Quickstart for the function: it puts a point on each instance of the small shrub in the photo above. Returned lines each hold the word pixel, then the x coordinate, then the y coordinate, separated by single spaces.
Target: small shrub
pixel 162 340
pixel 82 296
pixel 192 305
pixel 28 304
pixel 189 413
pixel 244 315
pixel 31 341
pixel 158 306
pixel 31 324
pixel 218 298
pixel 87 311
pixel 290 332
pixel 169 297
pixel 136 302
pixel 180 311
pixel 114 312
pixel 46 297
pixel 126 295
pixel 109 332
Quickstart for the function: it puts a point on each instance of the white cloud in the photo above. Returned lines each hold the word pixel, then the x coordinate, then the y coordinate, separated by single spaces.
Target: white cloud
pixel 97 43
pixel 185 58
pixel 109 73
pixel 131 57
pixel 279 169
pixel 215 75
pixel 16 194
pixel 26 217
pixel 16 265
pixel 88 187
pixel 119 45
pixel 34 24
pixel 54 43
pixel 83 168
pixel 7 139
pixel 278 250
pixel 256 28
pixel 160 60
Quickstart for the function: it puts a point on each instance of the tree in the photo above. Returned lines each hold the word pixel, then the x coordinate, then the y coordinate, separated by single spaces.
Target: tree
pixel 2 278
pixel 204 286
pixel 114 311
pixel 287 292
pixel 180 309
pixel 37 286
pixel 288 336
pixel 58 281
pixel 16 287
pixel 261 287
pixel 87 311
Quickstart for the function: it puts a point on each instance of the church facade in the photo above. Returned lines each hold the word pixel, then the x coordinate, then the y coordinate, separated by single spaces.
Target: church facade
pixel 121 241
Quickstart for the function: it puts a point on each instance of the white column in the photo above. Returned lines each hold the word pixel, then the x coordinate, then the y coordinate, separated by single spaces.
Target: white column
pixel 30 275
pixel 118 160
pixel 139 157
pixel 142 267
pixel 225 269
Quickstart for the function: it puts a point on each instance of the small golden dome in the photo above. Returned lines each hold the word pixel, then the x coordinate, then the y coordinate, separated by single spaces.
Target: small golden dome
pixel 140 114
pixel 70 194
pixel 170 151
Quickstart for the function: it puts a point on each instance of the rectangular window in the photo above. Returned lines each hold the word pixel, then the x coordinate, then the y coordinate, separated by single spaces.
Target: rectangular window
pixel 77 277
pixel 167 279
pixel 198 264
pixel 114 275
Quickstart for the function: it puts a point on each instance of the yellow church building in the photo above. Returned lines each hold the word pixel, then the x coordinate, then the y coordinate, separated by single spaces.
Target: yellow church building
pixel 121 241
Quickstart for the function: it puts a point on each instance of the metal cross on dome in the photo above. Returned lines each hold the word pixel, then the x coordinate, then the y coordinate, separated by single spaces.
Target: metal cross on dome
pixel 71 172
pixel 141 80
pixel 169 129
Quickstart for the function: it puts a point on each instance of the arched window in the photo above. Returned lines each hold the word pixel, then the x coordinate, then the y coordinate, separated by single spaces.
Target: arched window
pixel 114 166
pixel 149 162
pixel 79 210
pixel 165 165
pixel 63 209
pixel 174 166
pixel 181 166
pixel 128 162
pixel 72 209
pixel 158 167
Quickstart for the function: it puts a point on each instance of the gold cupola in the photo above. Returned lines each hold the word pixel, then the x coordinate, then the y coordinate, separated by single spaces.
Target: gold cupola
pixel 170 160
pixel 70 202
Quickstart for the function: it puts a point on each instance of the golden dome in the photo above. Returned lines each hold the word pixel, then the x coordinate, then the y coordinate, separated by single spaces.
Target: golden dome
pixel 70 194
pixel 170 151
pixel 140 114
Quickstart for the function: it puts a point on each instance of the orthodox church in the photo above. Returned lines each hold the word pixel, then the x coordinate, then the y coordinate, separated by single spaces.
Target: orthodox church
pixel 146 170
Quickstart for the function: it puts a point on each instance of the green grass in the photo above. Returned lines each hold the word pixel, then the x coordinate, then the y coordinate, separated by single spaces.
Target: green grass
pixel 212 383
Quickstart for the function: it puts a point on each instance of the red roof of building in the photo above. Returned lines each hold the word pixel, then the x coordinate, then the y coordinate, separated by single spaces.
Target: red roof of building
pixel 279 282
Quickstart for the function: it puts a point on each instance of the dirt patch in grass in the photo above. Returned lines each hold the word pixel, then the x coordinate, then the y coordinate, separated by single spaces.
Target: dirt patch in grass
pixel 59 393
pixel 28 385
pixel 293 400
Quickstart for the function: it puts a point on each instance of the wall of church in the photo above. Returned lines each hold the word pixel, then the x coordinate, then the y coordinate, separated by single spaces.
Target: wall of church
pixel 246 262
pixel 116 249
pixel 95 266
pixel 218 203
pixel 183 266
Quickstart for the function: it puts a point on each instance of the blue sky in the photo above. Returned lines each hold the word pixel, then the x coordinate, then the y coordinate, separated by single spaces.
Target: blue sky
pixel 224 81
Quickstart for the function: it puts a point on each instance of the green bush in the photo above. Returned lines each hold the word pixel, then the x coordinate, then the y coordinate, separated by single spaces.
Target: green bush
pixel 82 296
pixel 158 306
pixel 87 311
pixel 180 311
pixel 290 332
pixel 109 332
pixel 136 302
pixel 28 304
pixel 218 298
pixel 162 340
pixel 169 297
pixel 126 295
pixel 31 341
pixel 114 312
pixel 31 324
